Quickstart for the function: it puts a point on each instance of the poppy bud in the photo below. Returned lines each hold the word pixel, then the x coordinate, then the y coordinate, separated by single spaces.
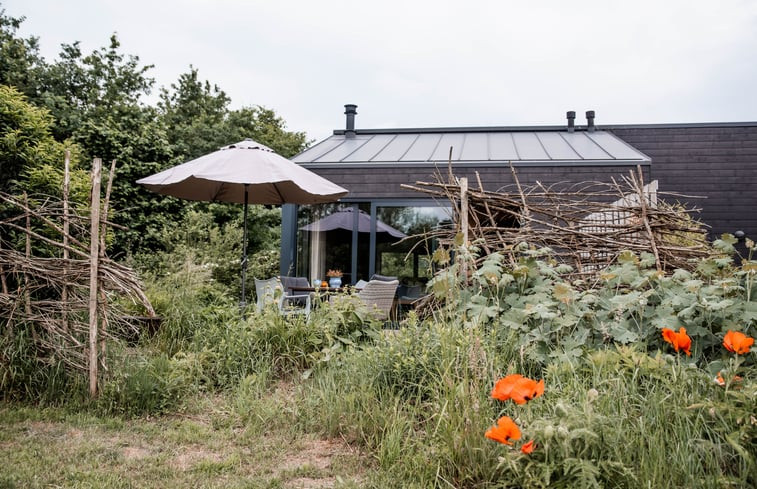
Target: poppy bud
pixel 592 395
pixel 561 409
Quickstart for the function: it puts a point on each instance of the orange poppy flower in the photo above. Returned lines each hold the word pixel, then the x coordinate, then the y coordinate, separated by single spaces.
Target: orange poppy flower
pixel 680 340
pixel 505 431
pixel 720 381
pixel 526 389
pixel 527 447
pixel 504 386
pixel 518 388
pixel 738 343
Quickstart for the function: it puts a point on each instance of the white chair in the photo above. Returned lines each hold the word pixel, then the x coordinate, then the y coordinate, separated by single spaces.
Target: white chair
pixel 267 292
pixel 379 296
pixel 271 292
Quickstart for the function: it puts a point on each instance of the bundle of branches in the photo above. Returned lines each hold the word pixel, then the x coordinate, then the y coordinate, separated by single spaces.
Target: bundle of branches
pixel 587 225
pixel 45 266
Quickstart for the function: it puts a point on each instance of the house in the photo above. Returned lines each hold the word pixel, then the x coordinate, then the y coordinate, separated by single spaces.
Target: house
pixel 715 162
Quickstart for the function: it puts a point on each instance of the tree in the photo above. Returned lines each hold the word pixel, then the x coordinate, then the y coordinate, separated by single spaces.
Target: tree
pixel 199 121
pixel 20 62
pixel 31 160
pixel 96 101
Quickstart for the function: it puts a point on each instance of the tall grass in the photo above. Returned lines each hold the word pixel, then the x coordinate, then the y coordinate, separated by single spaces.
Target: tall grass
pixel 614 418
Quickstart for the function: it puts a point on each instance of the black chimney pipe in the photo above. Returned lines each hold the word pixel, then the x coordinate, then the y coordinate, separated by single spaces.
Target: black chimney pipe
pixel 590 121
pixel 350 110
pixel 571 120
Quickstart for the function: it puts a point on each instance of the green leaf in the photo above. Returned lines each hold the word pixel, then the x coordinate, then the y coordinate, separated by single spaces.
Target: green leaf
pixel 647 260
pixel 563 292
pixel 729 238
pixel 622 334
pixel 627 256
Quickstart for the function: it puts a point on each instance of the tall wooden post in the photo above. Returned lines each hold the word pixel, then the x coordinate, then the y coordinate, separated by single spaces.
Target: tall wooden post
pixel 66 227
pixel 101 254
pixel 94 260
pixel 464 209
pixel 28 254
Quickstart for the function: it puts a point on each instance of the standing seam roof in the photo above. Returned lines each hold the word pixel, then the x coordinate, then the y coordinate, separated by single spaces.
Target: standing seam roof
pixel 558 147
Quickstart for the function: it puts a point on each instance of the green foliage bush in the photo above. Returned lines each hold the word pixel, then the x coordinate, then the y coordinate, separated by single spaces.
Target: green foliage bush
pixel 630 304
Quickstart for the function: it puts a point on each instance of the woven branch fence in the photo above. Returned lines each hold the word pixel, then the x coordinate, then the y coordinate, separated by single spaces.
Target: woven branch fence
pixel 56 282
pixel 586 225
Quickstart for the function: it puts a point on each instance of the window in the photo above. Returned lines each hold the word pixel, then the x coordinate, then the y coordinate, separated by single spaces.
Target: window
pixel 340 236
pixel 409 257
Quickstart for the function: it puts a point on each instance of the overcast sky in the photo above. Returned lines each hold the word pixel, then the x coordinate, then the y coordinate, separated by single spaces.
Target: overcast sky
pixel 435 63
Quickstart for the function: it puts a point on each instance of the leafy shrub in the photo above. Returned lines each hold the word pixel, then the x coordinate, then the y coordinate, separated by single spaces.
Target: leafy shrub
pixel 188 300
pixel 630 305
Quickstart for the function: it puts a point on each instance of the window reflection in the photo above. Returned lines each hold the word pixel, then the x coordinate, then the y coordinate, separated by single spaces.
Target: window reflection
pixel 409 259
pixel 325 241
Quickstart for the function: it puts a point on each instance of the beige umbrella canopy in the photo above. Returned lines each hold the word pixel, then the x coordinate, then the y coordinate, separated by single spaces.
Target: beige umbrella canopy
pixel 245 172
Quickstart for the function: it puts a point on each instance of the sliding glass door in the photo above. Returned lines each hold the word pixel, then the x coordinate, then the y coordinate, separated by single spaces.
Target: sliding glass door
pixel 361 239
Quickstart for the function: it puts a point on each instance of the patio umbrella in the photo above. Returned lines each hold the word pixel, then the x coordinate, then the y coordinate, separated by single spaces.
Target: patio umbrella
pixel 245 173
pixel 346 220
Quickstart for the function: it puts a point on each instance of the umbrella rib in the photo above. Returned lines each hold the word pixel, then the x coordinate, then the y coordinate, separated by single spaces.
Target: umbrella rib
pixel 281 197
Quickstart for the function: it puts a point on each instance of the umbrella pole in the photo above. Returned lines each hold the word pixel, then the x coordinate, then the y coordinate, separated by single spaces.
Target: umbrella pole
pixel 243 302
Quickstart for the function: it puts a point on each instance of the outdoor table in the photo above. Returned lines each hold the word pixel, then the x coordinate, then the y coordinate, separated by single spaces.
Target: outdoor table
pixel 342 289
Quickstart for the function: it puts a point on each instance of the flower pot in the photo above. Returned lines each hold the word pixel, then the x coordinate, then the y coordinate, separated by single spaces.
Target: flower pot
pixel 335 282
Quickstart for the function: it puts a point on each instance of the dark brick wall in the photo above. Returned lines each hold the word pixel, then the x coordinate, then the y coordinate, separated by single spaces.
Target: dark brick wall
pixel 385 183
pixel 718 163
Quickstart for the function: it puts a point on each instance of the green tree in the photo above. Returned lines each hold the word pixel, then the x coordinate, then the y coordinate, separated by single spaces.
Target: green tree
pixel 31 160
pixel 199 121
pixel 97 101
pixel 20 62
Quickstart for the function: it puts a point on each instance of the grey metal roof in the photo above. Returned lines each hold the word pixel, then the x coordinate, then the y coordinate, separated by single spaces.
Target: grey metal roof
pixel 471 148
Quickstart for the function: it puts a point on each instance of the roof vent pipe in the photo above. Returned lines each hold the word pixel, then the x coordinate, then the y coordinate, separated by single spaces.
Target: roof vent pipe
pixel 350 110
pixel 590 121
pixel 571 114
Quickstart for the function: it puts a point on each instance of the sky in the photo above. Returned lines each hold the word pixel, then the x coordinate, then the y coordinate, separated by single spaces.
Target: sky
pixel 419 63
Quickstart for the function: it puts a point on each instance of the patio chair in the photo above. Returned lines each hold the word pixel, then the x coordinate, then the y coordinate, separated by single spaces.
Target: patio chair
pixel 271 292
pixel 379 295
pixel 294 299
pixel 407 295
pixel 300 282
pixel 265 290
pixel 383 278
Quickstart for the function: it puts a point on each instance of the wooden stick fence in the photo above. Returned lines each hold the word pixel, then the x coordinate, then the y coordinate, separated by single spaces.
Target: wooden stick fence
pixel 587 225
pixel 64 296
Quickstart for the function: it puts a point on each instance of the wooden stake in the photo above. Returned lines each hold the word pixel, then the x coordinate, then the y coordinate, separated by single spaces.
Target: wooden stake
pixel 94 259
pixel 464 209
pixel 645 220
pixel 103 231
pixel 3 281
pixel 66 226
pixel 27 291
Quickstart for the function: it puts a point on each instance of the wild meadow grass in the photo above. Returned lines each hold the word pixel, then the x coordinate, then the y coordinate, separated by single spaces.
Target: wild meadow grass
pixel 218 400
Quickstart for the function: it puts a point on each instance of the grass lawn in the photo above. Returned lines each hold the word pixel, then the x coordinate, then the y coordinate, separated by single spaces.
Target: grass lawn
pixel 206 446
